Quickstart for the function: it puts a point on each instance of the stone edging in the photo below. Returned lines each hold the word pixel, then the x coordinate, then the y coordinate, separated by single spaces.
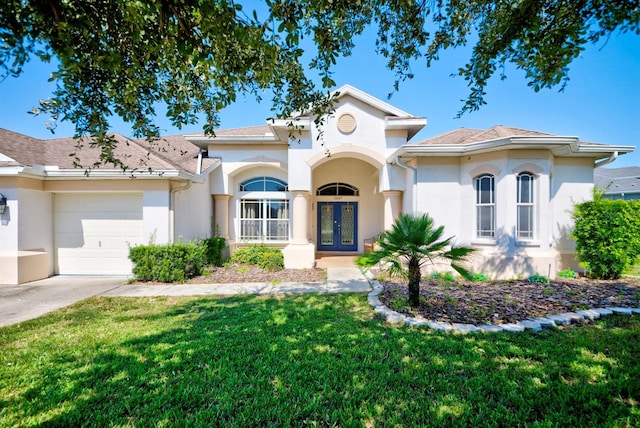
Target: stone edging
pixel 534 324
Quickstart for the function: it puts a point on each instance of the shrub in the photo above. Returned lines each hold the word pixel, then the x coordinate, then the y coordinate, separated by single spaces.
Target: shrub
pixel 567 273
pixel 267 258
pixel 538 279
pixel 447 276
pixel 213 250
pixel 479 277
pixel 607 235
pixel 167 263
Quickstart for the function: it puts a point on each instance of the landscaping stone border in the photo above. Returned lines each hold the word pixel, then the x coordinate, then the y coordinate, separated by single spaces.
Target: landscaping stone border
pixel 533 324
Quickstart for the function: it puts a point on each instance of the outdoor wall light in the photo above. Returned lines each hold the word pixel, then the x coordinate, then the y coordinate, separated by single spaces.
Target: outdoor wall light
pixel 3 203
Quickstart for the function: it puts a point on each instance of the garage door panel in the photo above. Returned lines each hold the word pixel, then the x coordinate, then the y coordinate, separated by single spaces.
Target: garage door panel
pixel 94 231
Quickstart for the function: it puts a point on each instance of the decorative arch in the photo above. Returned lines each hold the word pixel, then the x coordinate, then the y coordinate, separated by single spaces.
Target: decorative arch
pixel 346 150
pixel 485 169
pixel 528 167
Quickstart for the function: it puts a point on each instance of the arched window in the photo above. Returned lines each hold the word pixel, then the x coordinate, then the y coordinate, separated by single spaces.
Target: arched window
pixel 264 219
pixel 263 184
pixel 337 189
pixel 485 206
pixel 525 204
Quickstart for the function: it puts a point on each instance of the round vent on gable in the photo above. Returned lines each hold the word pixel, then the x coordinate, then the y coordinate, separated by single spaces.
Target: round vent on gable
pixel 346 123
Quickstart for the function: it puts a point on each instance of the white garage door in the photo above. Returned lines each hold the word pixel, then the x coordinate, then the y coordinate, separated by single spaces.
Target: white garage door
pixel 93 232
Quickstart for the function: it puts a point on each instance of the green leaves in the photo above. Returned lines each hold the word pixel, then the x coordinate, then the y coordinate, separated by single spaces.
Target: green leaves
pixel 125 58
pixel 412 242
pixel 607 235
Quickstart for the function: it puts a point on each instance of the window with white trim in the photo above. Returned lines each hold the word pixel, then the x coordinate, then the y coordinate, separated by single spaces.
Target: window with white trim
pixel 263 184
pixel 485 206
pixel 264 212
pixel 525 206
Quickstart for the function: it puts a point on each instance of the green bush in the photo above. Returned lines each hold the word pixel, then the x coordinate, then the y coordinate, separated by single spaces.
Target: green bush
pixel 213 250
pixel 268 258
pixel 538 279
pixel 607 235
pixel 479 277
pixel 167 263
pixel 567 273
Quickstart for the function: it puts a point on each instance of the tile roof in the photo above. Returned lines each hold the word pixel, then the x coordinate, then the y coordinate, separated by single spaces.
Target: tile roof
pixel 470 135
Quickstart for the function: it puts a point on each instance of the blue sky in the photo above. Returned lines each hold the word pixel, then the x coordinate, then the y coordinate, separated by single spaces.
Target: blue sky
pixel 601 102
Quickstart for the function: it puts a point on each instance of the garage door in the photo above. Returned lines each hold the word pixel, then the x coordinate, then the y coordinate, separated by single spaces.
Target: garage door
pixel 93 232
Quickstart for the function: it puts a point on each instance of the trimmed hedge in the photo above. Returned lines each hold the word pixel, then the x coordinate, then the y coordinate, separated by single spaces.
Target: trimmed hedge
pixel 607 235
pixel 268 258
pixel 168 263
pixel 213 250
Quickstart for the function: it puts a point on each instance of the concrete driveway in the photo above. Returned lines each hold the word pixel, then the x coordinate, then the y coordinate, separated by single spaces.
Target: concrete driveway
pixel 26 301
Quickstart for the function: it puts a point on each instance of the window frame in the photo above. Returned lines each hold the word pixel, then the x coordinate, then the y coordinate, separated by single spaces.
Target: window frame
pixel 481 206
pixel 529 206
pixel 268 202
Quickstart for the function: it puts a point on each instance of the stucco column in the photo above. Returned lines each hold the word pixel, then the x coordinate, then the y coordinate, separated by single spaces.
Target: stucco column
pixel 221 215
pixel 392 207
pixel 300 214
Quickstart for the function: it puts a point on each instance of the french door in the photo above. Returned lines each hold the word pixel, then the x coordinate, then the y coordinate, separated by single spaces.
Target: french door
pixel 337 226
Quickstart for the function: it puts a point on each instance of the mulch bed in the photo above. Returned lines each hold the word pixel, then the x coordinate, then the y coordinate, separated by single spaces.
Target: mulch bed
pixel 249 273
pixel 499 302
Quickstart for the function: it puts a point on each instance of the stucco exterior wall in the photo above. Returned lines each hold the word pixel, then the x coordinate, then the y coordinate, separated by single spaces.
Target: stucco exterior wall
pixel 439 193
pixel 193 212
pixel 571 183
pixel 26 241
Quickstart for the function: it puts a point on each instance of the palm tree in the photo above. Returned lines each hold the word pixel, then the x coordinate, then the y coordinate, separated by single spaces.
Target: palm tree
pixel 413 242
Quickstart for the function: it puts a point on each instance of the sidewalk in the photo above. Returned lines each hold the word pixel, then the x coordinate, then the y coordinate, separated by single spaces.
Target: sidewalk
pixel 23 302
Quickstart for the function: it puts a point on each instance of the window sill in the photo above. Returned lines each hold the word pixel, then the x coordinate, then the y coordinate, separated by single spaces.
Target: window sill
pixel 483 241
pixel 532 243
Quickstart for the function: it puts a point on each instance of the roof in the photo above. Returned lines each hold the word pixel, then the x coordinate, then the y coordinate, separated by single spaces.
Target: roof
pixel 168 153
pixel 618 180
pixel 469 141
pixel 470 135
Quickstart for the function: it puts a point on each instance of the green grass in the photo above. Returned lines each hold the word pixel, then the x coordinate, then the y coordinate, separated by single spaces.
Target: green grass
pixel 310 360
pixel 633 270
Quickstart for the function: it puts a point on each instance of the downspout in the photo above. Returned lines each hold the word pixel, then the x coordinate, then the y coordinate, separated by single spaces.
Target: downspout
pixel 199 165
pixel 415 181
pixel 172 211
pixel 611 158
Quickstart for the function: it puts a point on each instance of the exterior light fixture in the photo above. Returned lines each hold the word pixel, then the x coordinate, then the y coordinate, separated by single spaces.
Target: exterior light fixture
pixel 3 203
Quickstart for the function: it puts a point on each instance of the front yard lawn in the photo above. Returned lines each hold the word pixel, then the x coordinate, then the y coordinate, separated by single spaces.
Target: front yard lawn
pixel 308 360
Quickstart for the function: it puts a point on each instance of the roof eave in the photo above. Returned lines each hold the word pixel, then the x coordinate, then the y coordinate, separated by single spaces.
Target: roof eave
pixel 412 125
pixel 559 146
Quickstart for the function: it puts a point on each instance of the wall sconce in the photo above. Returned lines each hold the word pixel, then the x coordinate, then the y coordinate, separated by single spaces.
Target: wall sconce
pixel 3 203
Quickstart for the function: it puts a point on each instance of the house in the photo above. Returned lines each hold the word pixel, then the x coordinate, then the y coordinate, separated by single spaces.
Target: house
pixel 619 183
pixel 309 189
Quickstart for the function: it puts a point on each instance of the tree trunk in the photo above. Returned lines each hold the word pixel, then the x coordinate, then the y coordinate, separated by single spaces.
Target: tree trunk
pixel 414 283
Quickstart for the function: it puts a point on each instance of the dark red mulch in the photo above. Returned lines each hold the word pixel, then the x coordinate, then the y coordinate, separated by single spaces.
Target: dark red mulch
pixel 499 302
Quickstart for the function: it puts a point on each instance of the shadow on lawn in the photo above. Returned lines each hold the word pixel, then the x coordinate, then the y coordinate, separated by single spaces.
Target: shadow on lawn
pixel 323 360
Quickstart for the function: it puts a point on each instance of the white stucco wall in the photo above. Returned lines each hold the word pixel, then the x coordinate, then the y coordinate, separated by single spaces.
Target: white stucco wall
pixel 571 183
pixel 9 220
pixel 193 212
pixel 35 222
pixel 155 216
pixel 439 193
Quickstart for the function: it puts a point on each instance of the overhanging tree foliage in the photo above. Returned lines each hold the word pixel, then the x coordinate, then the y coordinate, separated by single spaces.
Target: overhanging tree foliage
pixel 124 58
